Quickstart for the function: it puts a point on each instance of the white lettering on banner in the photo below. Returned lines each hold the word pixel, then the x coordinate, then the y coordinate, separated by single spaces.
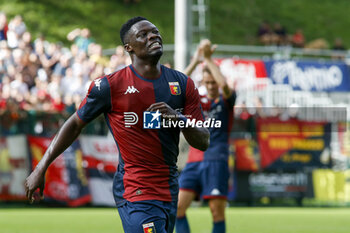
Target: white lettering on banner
pixel 320 79
pixel 278 179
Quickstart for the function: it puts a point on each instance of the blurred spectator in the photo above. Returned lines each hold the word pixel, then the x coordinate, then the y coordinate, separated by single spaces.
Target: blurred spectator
pixel 16 28
pixel 338 44
pixel 266 35
pixel 95 54
pixel 3 26
pixel 280 34
pixel 118 60
pixel 81 38
pixel 62 65
pixel 298 39
pixel 338 48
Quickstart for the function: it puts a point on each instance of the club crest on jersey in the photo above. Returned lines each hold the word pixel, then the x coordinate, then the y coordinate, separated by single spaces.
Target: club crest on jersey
pixel 149 228
pixel 175 88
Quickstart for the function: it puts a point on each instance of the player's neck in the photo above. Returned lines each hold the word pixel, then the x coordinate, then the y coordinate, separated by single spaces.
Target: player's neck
pixel 147 69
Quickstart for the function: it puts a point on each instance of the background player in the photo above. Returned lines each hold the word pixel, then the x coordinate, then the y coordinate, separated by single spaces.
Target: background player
pixel 145 186
pixel 206 173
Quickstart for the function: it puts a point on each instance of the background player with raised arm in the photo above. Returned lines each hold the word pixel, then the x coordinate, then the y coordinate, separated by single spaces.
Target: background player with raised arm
pixel 145 185
pixel 206 173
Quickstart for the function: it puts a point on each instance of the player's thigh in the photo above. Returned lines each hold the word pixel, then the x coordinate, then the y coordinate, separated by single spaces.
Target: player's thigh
pixel 214 179
pixel 140 218
pixel 185 199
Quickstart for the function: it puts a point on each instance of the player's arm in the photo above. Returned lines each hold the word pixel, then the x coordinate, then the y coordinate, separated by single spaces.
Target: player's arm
pixel 73 34
pixel 208 50
pixel 197 59
pixel 198 138
pixel 96 102
pixel 64 138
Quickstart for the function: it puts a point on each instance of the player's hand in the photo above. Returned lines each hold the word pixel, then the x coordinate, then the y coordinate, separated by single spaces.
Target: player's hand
pixel 166 111
pixel 198 55
pixel 34 181
pixel 207 47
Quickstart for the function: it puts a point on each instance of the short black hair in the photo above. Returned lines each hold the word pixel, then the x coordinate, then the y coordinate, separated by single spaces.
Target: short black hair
pixel 126 26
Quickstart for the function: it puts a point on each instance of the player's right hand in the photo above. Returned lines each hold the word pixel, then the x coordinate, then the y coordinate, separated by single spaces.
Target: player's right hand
pixel 34 181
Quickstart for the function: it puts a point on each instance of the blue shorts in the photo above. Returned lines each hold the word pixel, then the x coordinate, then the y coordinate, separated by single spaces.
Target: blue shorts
pixel 208 178
pixel 148 216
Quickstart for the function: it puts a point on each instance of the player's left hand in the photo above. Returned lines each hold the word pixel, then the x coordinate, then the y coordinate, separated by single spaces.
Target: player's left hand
pixel 166 111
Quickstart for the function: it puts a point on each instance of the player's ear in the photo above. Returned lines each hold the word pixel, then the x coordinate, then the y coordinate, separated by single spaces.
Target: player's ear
pixel 128 48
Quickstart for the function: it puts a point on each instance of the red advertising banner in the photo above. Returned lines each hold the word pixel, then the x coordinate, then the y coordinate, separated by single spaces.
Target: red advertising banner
pixel 247 155
pixel 66 181
pixel 240 72
pixel 293 144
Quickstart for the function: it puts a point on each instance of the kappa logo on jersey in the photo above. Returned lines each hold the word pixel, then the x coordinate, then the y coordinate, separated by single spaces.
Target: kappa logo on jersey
pixel 130 118
pixel 131 90
pixel 149 228
pixel 175 88
pixel 98 83
pixel 151 120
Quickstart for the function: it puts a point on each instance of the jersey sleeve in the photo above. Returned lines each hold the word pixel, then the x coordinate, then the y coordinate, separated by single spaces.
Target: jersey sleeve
pixel 97 100
pixel 193 108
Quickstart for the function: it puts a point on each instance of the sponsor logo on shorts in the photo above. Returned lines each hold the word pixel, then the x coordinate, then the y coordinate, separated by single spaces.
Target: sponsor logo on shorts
pixel 149 228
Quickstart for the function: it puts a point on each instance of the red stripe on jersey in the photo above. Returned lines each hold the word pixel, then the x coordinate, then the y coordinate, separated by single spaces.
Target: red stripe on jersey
pixel 146 173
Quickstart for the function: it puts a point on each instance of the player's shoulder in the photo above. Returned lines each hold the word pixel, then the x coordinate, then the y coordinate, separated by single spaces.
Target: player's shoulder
pixel 175 73
pixel 118 74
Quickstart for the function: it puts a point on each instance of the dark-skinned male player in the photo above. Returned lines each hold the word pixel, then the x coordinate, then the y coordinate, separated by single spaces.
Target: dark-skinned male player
pixel 132 100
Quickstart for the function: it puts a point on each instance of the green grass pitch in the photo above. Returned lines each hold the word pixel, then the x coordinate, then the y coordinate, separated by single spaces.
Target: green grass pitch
pixel 239 220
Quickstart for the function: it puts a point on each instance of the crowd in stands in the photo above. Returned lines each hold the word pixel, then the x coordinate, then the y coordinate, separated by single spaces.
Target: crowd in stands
pixel 39 75
pixel 277 35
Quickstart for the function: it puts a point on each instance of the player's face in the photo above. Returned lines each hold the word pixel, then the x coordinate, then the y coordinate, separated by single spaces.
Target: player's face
pixel 211 85
pixel 145 40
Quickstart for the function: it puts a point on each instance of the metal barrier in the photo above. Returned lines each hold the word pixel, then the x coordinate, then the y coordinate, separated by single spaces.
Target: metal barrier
pixel 276 52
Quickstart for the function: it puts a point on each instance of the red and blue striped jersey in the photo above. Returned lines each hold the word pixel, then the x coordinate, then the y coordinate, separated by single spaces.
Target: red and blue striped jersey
pixel 218 109
pixel 147 163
